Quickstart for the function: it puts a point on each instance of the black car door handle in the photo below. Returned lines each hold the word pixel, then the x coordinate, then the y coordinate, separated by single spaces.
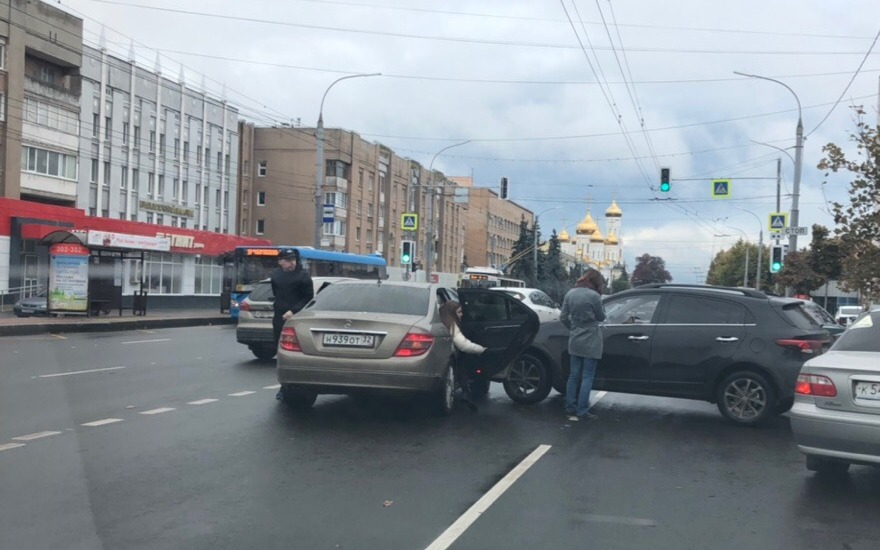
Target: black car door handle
pixel 638 338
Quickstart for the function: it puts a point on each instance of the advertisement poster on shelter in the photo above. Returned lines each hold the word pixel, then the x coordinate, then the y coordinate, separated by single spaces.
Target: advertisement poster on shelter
pixel 68 278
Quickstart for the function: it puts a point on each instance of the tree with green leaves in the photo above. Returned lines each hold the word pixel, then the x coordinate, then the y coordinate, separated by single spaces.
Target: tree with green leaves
pixel 621 283
pixel 649 269
pixel 797 273
pixel 858 223
pixel 522 263
pixel 726 268
pixel 826 256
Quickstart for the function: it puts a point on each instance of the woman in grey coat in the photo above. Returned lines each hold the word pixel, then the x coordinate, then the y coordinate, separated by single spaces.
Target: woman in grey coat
pixel 582 311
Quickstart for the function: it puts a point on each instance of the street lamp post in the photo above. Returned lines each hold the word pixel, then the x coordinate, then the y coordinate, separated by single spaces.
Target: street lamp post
pixel 535 241
pixel 429 227
pixel 760 247
pixel 319 161
pixel 798 159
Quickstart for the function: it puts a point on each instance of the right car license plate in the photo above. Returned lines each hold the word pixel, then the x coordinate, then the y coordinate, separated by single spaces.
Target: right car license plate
pixel 349 340
pixel 867 390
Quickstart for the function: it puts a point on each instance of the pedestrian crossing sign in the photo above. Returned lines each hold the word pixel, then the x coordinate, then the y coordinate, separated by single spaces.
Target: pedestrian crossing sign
pixel 778 222
pixel 721 189
pixel 409 221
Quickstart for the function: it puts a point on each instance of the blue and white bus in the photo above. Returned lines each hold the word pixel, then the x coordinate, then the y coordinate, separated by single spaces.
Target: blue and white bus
pixel 245 266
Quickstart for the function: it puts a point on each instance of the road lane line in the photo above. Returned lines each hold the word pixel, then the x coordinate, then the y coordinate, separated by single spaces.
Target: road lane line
pixel 78 372
pixel 622 520
pixel 147 341
pixel 473 513
pixel 37 435
pixel 158 411
pixel 102 422
pixel 58 336
pixel 8 446
pixel 275 387
pixel 599 396
pixel 202 402
pixel 241 393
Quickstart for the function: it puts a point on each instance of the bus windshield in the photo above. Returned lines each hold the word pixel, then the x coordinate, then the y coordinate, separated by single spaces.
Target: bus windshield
pixel 486 277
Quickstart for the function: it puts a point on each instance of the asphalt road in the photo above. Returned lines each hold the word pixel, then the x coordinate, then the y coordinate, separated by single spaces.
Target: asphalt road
pixel 173 439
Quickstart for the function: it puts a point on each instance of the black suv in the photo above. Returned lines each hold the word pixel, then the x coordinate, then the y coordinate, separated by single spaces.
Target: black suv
pixel 735 347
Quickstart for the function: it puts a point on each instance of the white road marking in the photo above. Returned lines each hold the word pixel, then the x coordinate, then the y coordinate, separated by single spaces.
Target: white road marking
pixel 275 387
pixel 241 393
pixel 599 396
pixel 202 402
pixel 8 446
pixel 37 435
pixel 158 411
pixel 102 422
pixel 467 519
pixel 641 522
pixel 79 372
pixel 147 341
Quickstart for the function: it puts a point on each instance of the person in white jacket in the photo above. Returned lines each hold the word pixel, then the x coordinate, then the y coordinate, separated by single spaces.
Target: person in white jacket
pixel 450 315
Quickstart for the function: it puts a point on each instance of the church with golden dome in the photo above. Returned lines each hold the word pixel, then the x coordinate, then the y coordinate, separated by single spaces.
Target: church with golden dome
pixel 590 246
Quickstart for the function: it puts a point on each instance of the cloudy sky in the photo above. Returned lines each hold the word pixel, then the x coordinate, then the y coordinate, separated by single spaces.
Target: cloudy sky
pixel 576 102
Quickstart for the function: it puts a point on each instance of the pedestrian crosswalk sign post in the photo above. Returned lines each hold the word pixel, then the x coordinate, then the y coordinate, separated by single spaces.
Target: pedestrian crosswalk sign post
pixel 778 221
pixel 721 189
pixel 409 221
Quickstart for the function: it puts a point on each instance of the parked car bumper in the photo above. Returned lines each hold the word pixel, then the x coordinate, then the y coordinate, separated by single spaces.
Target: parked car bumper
pixel 249 336
pixel 838 434
pixel 20 311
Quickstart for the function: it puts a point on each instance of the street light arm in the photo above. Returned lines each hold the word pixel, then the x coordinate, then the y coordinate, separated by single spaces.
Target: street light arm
pixel 796 98
pixel 791 158
pixel 321 110
pixel 437 154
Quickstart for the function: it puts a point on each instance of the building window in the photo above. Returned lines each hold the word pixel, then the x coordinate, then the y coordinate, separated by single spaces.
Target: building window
pixel 163 273
pixel 173 221
pixel 96 124
pixel 207 158
pixel 228 163
pixel 226 200
pixel 185 150
pixel 261 227
pixel 338 168
pixel 199 155
pixel 162 151
pixel 209 275
pixel 149 217
pixel 176 147
pixel 175 187
pixel 184 196
pixel 263 169
pixel 125 133
pixel 161 191
pixel 135 180
pixel 198 193
pixel 137 137
pixel 160 219
pixel 217 203
pixel 336 199
pixel 3 54
pixel 123 182
pixel 106 173
pixel 152 141
pixel 108 128
pixel 93 178
pixel 261 198
pixel 335 228
pixel 151 185
pixel 357 234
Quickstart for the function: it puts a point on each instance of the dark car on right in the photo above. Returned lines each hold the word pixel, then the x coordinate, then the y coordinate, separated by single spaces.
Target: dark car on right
pixel 735 347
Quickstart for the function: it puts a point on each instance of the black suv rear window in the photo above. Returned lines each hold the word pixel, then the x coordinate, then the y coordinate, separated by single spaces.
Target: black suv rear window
pixel 262 292
pixel 797 315
pixel 862 335
pixel 374 298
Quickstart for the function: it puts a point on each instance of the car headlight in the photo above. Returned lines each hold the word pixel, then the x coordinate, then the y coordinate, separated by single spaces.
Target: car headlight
pixel 234 303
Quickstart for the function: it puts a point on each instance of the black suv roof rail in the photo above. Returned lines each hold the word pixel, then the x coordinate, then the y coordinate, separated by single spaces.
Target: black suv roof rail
pixel 750 292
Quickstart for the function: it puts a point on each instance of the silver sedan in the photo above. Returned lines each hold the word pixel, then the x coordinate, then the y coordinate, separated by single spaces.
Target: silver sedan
pixel 836 414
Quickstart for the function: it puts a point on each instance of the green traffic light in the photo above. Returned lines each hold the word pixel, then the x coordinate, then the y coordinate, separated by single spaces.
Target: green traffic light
pixel 664 187
pixel 405 258
pixel 777 266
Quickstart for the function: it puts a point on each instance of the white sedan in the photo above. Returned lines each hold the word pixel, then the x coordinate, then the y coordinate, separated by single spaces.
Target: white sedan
pixel 537 300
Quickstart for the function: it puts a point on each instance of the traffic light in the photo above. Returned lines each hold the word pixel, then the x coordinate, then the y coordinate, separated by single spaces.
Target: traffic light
pixel 407 252
pixel 503 188
pixel 777 254
pixel 664 180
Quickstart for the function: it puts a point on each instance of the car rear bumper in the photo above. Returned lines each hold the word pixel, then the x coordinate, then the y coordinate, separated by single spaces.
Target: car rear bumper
pixel 254 335
pixel 358 374
pixel 838 434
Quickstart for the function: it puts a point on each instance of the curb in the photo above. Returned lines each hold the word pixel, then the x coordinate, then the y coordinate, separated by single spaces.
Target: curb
pixel 107 326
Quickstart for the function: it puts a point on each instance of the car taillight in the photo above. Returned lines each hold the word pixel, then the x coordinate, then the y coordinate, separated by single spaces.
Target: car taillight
pixel 814 384
pixel 244 306
pixel 414 343
pixel 810 347
pixel 288 340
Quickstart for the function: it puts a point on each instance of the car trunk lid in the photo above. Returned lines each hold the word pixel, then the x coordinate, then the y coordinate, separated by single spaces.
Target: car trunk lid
pixel 855 376
pixel 354 334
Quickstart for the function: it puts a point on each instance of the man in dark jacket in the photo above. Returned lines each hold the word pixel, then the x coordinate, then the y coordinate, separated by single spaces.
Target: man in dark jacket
pixel 292 287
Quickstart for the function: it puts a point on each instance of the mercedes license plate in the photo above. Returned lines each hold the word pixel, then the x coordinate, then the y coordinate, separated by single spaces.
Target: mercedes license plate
pixel 349 340
pixel 868 390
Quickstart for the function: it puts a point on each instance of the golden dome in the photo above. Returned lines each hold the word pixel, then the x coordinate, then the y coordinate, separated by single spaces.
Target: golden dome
pixel 597 237
pixel 587 225
pixel 563 236
pixel 612 239
pixel 614 211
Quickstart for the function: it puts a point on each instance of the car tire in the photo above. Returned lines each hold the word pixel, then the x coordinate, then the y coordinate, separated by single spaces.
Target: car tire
pixel 297 397
pixel 444 398
pixel 528 380
pixel 480 386
pixel 746 398
pixel 827 466
pixel 263 353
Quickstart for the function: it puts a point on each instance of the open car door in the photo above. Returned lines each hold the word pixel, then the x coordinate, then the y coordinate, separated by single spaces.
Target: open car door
pixel 499 322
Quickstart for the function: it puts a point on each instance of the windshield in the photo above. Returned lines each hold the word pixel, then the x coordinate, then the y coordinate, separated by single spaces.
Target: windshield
pixel 373 298
pixel 862 335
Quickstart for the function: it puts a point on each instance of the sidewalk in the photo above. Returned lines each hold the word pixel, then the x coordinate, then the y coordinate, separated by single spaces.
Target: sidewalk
pixel 11 325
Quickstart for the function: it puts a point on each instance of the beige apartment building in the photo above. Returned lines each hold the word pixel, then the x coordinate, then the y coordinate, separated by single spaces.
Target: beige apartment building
pixel 368 184
pixel 41 53
pixel 492 225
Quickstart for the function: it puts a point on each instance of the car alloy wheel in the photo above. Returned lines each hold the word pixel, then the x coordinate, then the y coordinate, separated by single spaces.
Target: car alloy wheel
pixel 746 398
pixel 528 380
pixel 445 396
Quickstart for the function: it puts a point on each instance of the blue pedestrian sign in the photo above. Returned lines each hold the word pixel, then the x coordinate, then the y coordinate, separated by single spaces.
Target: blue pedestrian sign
pixel 409 221
pixel 721 189
pixel 777 222
pixel 329 211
